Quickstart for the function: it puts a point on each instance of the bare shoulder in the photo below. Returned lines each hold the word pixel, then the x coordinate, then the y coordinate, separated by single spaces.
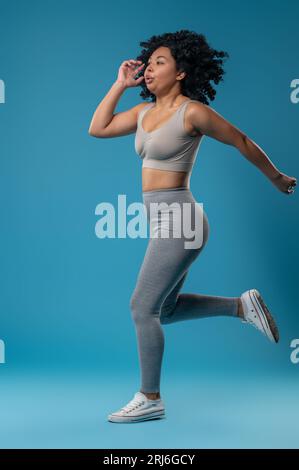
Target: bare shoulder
pixel 139 107
pixel 193 110
pixel 196 106
pixel 197 112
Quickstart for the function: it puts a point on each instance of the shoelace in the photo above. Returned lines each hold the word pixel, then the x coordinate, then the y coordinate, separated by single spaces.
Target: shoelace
pixel 132 405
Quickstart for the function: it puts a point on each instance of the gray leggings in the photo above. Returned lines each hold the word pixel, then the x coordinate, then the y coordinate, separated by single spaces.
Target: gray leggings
pixel 156 299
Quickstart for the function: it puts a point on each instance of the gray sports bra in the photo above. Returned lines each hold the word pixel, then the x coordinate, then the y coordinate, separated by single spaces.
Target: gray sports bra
pixel 168 147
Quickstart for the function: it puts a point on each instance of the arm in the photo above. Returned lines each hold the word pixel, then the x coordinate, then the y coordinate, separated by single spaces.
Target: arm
pixel 106 124
pixel 103 114
pixel 207 121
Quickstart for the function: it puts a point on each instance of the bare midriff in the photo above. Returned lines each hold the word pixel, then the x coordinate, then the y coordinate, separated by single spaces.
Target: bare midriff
pixel 162 179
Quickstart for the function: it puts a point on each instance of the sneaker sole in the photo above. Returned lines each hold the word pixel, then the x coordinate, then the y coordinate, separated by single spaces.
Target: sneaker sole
pixel 136 419
pixel 264 314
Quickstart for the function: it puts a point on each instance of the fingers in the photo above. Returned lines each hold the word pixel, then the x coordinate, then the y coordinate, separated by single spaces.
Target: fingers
pixel 132 62
pixel 139 80
pixel 291 187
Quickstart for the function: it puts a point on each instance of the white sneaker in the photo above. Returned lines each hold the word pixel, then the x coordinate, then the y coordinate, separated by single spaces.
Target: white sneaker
pixel 140 408
pixel 257 314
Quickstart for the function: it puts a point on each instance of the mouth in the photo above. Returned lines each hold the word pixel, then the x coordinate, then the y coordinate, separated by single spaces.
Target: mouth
pixel 148 80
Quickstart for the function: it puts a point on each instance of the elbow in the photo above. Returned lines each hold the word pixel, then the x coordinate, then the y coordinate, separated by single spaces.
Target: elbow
pixel 241 142
pixel 92 133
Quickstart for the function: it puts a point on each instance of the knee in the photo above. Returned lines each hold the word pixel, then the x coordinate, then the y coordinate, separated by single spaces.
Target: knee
pixel 142 307
pixel 133 302
pixel 135 306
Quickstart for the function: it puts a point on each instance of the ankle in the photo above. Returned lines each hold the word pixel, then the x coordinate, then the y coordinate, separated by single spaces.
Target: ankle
pixel 240 311
pixel 152 396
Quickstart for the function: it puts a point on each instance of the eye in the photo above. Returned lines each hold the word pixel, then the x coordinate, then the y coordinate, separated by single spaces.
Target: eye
pixel 158 62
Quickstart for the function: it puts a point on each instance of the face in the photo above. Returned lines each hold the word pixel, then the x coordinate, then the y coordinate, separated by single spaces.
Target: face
pixel 160 72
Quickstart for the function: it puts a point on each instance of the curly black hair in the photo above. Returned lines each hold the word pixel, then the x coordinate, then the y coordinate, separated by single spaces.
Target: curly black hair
pixel 194 56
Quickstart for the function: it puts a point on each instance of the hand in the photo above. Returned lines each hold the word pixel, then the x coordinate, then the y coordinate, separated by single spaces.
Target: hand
pixel 127 72
pixel 285 183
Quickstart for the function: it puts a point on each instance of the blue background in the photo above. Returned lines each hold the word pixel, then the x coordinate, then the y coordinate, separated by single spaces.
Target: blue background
pixel 70 346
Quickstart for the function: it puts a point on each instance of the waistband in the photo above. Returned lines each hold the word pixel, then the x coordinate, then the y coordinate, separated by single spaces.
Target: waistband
pixel 154 191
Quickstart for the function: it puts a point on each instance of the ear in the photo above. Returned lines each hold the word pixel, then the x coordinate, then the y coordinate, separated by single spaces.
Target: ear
pixel 182 75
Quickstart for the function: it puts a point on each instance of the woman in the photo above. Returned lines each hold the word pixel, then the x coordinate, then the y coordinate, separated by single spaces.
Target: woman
pixel 176 70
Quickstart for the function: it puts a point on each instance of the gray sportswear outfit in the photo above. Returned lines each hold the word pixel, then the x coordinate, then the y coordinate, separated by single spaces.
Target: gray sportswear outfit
pixel 156 299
